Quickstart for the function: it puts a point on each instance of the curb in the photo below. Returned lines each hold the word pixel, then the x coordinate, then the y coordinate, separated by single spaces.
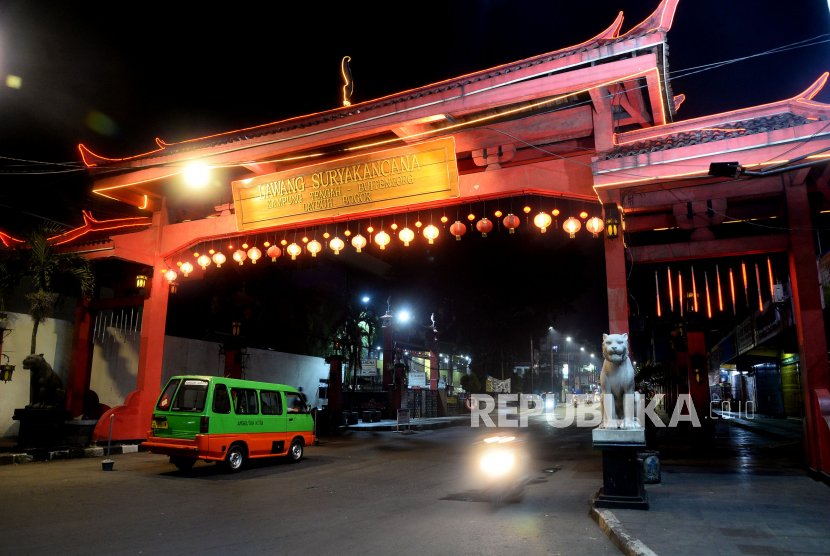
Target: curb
pixel 612 527
pixel 67 453
pixel 391 428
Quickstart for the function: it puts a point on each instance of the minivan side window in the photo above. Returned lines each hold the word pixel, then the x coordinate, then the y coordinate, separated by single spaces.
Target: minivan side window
pixel 167 396
pixel 244 401
pixel 271 403
pixel 221 400
pixel 295 403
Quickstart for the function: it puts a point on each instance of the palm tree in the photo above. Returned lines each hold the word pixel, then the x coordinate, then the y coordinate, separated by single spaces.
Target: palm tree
pixel 356 333
pixel 53 273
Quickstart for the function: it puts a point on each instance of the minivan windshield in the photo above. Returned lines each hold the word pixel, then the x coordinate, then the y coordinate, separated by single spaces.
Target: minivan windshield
pixel 191 396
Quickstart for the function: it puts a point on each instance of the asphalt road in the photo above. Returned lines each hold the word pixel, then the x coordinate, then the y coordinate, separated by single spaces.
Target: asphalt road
pixel 358 493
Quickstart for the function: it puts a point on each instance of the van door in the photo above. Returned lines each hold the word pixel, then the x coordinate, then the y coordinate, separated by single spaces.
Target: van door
pixel 249 424
pixel 221 421
pixel 274 421
pixel 186 410
pixel 299 419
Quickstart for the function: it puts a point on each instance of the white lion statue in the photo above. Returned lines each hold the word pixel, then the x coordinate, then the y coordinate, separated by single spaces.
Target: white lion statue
pixel 617 380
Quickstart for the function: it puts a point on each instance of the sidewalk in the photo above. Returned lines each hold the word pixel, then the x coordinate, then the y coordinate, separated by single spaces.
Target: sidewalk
pixel 777 429
pixel 10 454
pixel 417 424
pixel 747 495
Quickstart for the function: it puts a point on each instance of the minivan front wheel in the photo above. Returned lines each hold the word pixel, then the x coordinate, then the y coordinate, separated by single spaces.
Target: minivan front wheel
pixel 295 452
pixel 234 459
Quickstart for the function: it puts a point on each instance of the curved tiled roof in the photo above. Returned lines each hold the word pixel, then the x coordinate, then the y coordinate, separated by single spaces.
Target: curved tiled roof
pixel 607 37
pixel 716 133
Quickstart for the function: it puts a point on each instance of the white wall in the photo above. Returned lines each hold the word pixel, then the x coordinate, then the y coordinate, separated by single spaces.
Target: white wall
pixel 197 357
pixel 54 341
pixel 115 364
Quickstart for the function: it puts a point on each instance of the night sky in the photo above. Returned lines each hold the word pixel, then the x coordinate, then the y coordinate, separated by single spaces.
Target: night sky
pixel 116 76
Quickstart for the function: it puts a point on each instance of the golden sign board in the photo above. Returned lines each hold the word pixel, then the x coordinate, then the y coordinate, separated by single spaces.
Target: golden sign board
pixel 379 180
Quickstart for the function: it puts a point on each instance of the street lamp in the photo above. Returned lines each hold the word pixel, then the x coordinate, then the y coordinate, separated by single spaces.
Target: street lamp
pixel 366 299
pixel 403 316
pixel 196 175
pixel 568 339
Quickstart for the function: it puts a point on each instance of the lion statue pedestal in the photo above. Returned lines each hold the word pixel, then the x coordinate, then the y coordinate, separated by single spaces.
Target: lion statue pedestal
pixel 621 435
pixel 43 422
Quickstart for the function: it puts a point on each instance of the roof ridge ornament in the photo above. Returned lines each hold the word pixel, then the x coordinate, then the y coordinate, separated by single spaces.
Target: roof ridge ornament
pixel 660 20
pixel 348 88
pixel 613 31
pixel 813 89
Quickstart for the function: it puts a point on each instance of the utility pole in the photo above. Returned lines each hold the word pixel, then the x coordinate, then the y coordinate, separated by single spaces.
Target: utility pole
pixel 551 369
pixel 531 363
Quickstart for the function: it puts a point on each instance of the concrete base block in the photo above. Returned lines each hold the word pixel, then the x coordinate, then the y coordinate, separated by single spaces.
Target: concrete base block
pixel 619 436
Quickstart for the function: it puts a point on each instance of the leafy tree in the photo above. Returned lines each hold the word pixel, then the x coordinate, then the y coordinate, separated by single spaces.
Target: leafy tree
pixel 471 384
pixel 356 332
pixel 53 274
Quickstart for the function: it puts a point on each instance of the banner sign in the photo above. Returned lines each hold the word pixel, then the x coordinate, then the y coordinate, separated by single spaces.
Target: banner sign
pixel 417 379
pixel 368 367
pixel 496 385
pixel 380 180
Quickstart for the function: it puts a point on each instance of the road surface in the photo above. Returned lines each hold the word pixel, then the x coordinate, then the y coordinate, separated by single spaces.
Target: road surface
pixel 358 493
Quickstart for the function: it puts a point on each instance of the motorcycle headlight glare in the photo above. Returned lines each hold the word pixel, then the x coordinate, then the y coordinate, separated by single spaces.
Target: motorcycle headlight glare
pixel 497 463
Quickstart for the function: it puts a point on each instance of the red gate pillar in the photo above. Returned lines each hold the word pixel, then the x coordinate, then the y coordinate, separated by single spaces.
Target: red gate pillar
pixel 151 350
pixel 699 384
pixel 80 364
pixel 132 420
pixel 615 277
pixel 809 321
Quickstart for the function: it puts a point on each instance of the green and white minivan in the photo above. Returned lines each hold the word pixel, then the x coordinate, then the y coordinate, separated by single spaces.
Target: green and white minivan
pixel 228 421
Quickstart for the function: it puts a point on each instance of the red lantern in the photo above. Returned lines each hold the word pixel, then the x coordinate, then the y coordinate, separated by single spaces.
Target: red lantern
pixel 484 226
pixel 572 225
pixel 458 229
pixel 431 232
pixel 542 220
pixel 595 225
pixel 274 252
pixel 511 222
pixel 498 214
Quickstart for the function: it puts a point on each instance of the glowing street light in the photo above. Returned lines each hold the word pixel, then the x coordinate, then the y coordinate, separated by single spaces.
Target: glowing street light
pixel 581 349
pixel 365 299
pixel 403 316
pixel 196 175
pixel 568 339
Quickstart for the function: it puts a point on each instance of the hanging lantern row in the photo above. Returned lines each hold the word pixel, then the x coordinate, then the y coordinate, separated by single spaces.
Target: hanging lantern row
pixel 693 295
pixel 542 220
